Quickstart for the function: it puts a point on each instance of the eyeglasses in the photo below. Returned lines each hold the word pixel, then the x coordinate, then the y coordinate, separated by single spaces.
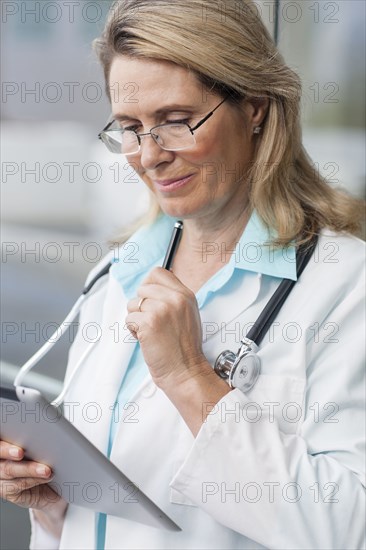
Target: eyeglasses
pixel 170 136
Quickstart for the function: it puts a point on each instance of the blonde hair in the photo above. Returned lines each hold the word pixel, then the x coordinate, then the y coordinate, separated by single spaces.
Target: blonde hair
pixel 229 49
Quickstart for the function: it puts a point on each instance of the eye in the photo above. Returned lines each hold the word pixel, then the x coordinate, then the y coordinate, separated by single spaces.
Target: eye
pixel 180 121
pixel 129 128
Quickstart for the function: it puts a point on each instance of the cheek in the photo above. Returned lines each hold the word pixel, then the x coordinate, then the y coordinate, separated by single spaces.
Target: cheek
pixel 207 154
pixel 221 155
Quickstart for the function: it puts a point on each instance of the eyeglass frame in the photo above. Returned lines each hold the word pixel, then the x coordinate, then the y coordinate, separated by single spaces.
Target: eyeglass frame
pixel 139 136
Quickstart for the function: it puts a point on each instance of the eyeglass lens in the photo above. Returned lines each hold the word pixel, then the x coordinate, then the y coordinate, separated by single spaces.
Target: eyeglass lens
pixel 169 136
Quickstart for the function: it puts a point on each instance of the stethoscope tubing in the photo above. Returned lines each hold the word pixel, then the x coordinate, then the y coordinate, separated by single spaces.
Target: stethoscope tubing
pixel 65 325
pixel 270 311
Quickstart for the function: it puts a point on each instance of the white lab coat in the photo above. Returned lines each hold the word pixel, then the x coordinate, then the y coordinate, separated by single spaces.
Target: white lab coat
pixel 280 467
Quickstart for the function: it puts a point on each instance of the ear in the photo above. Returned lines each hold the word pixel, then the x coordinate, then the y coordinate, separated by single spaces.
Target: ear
pixel 256 110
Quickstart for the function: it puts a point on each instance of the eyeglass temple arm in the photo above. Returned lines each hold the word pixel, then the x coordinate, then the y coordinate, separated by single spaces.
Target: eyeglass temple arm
pixel 191 129
pixel 105 128
pixel 207 116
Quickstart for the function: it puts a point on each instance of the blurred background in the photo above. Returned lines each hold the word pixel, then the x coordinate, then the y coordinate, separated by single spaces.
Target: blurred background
pixel 64 198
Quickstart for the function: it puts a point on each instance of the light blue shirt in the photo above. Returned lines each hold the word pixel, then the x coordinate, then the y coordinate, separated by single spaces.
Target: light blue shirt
pixel 250 254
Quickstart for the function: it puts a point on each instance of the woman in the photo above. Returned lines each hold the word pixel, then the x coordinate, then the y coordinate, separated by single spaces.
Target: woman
pixel 281 465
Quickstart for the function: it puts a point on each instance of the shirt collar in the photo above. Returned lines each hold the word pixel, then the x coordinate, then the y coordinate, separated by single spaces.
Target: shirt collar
pixel 252 252
pixel 143 251
pixel 147 247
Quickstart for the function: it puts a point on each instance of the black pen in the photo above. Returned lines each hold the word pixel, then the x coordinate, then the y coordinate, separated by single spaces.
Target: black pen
pixel 173 245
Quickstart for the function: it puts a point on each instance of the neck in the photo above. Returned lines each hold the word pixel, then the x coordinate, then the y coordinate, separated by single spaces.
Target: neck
pixel 222 228
pixel 206 246
pixel 198 233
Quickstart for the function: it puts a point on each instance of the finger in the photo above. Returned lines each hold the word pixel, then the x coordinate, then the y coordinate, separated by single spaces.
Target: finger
pixel 133 327
pixel 175 295
pixel 37 496
pixel 10 469
pixel 133 323
pixel 163 293
pixel 133 305
pixel 10 452
pixel 149 292
pixel 13 487
pixel 164 277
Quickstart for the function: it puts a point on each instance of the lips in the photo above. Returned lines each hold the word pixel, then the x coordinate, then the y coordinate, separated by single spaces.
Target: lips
pixel 171 184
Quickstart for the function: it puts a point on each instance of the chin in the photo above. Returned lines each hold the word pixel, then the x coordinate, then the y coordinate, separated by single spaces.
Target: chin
pixel 180 211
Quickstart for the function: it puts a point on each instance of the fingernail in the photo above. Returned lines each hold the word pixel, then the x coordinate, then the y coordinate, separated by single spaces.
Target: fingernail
pixel 43 470
pixel 14 451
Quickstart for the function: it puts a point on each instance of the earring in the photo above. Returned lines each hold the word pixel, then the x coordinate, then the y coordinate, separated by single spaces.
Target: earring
pixel 257 130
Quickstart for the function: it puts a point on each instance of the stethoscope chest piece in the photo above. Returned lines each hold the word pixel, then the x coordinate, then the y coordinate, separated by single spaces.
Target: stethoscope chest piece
pixel 242 369
pixel 245 373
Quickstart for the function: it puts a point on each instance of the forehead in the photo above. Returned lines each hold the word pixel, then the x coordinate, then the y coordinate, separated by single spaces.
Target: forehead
pixel 138 82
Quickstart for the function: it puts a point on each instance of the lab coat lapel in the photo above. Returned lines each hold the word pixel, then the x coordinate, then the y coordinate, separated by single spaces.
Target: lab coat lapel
pixel 113 353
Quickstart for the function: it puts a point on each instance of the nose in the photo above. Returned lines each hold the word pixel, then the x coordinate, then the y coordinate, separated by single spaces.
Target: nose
pixel 151 154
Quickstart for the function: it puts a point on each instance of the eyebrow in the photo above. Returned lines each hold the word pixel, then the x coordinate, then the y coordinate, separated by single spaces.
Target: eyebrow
pixel 164 110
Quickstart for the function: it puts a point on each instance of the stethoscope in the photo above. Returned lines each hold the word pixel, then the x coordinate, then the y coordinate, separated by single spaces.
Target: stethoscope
pixel 241 369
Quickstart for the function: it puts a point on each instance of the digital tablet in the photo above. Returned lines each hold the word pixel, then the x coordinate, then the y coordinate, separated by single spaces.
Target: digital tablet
pixel 82 474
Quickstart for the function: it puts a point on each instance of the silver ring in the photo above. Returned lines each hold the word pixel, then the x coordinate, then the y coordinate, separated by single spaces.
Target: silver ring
pixel 140 304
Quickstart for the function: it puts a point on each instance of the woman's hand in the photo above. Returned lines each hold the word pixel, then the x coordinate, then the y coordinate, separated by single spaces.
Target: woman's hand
pixel 168 328
pixel 25 483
